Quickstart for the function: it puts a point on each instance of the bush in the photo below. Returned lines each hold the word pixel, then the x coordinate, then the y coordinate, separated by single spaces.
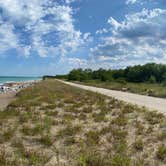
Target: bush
pixel 161 152
pixel 138 145
pixel 92 137
pixel 152 79
pixel 46 140
pixel 120 160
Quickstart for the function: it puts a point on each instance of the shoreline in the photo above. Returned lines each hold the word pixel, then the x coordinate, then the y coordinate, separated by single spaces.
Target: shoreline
pixel 9 87
pixel 8 91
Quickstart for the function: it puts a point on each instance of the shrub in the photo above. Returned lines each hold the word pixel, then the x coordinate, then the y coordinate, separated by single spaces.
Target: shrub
pixel 121 120
pixel 99 117
pixel 3 157
pixel 138 145
pixel 161 152
pixel 46 140
pixel 120 160
pixel 7 135
pixel 68 131
pixel 92 158
pixel 162 135
pixel 120 147
pixel 119 134
pixel 92 137
pixel 139 128
pixel 35 158
pixel 153 117
pixel 69 141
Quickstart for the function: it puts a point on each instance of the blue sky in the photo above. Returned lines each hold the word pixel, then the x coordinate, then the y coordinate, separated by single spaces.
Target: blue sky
pixel 41 37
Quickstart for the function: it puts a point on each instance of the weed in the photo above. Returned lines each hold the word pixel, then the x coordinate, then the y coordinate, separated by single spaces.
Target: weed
pixel 139 128
pixel 92 137
pixel 153 117
pixel 90 158
pixel 163 123
pixel 69 141
pixel 120 147
pixel 138 145
pixel 69 131
pixel 82 116
pixel 32 131
pixel 51 113
pixel 162 135
pixel 99 117
pixel 3 158
pixel 49 107
pixel 35 158
pixel 121 120
pixel 120 160
pixel 46 140
pixel 7 134
pixel 119 134
pixel 161 152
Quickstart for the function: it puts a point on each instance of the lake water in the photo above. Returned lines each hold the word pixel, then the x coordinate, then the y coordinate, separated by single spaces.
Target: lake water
pixel 4 79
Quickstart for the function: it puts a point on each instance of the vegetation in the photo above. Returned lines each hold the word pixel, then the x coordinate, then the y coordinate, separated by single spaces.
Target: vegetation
pixel 149 79
pixel 52 123
pixel 151 72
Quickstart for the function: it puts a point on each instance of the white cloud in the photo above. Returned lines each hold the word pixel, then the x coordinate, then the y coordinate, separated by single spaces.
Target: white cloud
pixel 46 25
pixel 131 1
pixel 7 37
pixel 101 31
pixel 140 38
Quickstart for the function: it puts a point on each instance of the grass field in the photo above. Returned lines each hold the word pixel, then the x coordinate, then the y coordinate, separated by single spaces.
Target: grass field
pixel 55 124
pixel 156 90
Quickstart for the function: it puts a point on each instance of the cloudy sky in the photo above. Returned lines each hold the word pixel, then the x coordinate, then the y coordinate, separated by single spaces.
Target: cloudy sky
pixel 40 37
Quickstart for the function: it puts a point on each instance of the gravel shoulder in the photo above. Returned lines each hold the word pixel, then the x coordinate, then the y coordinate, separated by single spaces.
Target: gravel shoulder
pixel 151 103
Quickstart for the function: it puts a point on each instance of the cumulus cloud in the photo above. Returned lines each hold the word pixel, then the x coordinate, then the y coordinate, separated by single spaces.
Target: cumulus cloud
pixel 140 38
pixel 7 38
pixel 42 26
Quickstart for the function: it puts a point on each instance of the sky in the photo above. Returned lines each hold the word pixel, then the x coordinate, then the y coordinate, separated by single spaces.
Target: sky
pixel 49 37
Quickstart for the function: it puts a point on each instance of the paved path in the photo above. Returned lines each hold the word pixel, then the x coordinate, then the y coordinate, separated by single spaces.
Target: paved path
pixel 152 103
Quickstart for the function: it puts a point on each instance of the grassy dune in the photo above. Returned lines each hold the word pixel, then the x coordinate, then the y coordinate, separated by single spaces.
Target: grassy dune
pixel 55 124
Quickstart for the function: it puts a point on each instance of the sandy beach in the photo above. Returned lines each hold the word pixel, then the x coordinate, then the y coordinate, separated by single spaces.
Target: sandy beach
pixel 6 98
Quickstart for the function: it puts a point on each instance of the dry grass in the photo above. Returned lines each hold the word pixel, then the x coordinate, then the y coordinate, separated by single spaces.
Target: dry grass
pixel 52 123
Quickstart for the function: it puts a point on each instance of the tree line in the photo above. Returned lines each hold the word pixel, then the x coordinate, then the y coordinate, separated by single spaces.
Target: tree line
pixel 151 72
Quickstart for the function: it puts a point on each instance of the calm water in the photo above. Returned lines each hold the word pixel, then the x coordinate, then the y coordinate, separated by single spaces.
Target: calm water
pixel 4 79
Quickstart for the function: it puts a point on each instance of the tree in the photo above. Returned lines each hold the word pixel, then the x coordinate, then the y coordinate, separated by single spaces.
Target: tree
pixel 152 79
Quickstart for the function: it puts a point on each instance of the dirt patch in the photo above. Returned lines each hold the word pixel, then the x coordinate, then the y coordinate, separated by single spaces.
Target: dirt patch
pixel 6 98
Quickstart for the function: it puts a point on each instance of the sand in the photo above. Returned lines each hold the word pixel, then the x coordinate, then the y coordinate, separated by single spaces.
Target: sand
pixel 6 98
